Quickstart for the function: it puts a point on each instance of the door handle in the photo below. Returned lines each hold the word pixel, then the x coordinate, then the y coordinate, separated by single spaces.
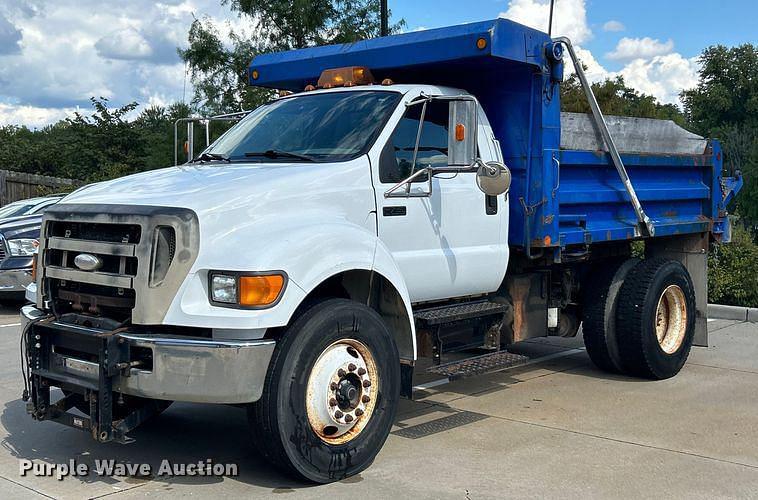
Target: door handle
pixel 394 211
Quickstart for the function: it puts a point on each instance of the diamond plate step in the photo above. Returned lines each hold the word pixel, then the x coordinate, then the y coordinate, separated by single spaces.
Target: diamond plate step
pixel 479 365
pixel 458 312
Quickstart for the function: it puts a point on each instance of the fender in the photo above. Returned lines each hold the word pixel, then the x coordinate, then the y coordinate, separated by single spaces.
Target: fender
pixel 309 250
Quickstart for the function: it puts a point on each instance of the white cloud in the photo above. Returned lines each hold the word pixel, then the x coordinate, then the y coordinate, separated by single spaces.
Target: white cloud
pixel 127 44
pixel 614 26
pixel 650 66
pixel 76 49
pixel 32 117
pixel 662 76
pixel 570 17
pixel 629 49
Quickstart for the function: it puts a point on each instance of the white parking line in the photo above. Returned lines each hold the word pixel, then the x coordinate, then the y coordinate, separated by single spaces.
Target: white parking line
pixel 11 324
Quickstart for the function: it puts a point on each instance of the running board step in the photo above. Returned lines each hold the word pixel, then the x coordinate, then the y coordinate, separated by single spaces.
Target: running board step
pixel 458 312
pixel 479 365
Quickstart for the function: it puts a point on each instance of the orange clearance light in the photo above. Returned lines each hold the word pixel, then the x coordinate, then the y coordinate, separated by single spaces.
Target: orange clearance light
pixel 260 290
pixel 460 132
pixel 387 82
pixel 345 77
pixel 255 74
pixel 481 44
pixel 310 88
pixel 547 240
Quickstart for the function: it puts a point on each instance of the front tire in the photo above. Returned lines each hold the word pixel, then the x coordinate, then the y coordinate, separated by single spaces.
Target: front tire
pixel 330 395
pixel 656 319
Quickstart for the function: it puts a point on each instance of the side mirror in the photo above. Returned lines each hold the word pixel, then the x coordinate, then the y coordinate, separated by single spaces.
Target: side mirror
pixel 462 133
pixel 493 178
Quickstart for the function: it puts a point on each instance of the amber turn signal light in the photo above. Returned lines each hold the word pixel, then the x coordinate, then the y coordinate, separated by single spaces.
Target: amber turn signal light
pixel 460 132
pixel 255 291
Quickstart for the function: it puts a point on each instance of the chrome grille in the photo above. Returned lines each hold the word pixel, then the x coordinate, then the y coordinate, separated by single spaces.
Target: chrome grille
pixel 3 251
pixel 138 267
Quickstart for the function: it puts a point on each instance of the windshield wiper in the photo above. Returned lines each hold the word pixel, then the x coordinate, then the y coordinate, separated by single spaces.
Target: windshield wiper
pixel 273 153
pixel 211 157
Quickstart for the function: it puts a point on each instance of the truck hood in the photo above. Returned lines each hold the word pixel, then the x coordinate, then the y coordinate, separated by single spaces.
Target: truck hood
pixel 198 188
pixel 228 197
pixel 217 187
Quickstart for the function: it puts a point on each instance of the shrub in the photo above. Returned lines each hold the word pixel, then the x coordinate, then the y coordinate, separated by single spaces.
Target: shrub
pixel 733 271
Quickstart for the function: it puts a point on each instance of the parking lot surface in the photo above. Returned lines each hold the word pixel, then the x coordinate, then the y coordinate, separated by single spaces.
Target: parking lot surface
pixel 555 428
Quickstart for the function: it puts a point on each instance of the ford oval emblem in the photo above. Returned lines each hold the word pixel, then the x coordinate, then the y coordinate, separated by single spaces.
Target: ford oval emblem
pixel 88 262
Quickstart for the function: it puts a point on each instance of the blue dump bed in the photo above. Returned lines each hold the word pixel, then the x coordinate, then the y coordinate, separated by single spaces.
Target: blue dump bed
pixel 565 192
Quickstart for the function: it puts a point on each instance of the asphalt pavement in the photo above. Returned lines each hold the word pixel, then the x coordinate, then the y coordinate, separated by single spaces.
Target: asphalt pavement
pixel 557 428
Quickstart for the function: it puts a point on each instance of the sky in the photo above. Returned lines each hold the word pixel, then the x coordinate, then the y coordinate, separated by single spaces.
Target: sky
pixel 56 54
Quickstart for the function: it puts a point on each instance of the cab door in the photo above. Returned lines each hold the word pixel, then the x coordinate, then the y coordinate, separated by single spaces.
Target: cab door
pixel 452 243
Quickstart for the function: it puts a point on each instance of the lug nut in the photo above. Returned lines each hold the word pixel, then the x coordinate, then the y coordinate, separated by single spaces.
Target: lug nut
pixel 358 412
pixel 333 386
pixel 361 371
pixel 351 367
pixel 366 383
pixel 348 418
pixel 338 414
pixel 340 373
pixel 365 399
pixel 332 402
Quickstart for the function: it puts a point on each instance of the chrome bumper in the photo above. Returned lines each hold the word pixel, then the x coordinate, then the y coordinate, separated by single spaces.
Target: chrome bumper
pixel 15 280
pixel 188 369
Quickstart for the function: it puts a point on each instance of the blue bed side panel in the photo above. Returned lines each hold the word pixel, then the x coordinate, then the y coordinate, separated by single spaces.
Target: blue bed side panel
pixel 674 190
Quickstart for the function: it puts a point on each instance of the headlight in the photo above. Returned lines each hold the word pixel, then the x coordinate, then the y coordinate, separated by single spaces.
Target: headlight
pixel 246 290
pixel 23 247
pixel 224 289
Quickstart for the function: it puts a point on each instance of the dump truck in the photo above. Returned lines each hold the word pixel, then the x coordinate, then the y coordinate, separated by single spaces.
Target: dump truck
pixel 408 205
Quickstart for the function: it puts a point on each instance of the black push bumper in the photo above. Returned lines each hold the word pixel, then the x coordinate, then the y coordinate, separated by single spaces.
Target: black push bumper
pixel 46 344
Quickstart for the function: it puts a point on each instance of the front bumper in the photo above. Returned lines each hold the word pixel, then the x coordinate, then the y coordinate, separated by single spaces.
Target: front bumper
pixel 183 368
pixel 15 280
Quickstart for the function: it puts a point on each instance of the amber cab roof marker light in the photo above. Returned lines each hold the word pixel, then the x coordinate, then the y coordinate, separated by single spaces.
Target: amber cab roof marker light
pixel 345 77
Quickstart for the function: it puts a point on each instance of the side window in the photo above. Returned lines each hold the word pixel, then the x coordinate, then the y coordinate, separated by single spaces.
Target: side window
pixel 397 157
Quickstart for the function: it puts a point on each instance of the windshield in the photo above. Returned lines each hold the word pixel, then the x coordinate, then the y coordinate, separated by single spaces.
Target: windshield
pixel 15 209
pixel 336 126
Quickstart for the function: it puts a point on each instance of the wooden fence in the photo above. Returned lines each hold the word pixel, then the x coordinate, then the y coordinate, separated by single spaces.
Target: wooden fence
pixel 16 186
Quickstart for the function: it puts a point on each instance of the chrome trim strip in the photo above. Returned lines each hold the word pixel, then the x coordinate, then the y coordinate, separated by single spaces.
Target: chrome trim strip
pixel 88 246
pixel 95 278
pixel 197 342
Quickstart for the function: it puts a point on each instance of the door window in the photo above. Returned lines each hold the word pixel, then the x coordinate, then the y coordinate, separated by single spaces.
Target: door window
pixel 397 158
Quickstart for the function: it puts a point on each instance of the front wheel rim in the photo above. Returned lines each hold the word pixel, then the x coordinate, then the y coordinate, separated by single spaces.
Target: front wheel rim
pixel 671 319
pixel 341 393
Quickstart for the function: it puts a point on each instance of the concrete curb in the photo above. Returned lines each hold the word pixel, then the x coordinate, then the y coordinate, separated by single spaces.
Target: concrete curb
pixel 717 311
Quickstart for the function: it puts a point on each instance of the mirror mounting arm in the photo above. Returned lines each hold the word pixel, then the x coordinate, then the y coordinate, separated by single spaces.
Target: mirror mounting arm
pixel 392 192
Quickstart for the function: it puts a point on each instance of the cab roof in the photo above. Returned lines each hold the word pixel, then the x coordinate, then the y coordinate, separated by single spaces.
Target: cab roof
pixel 445 56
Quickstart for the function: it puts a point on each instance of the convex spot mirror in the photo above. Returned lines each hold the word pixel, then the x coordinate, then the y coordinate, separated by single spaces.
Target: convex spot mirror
pixel 462 133
pixel 493 178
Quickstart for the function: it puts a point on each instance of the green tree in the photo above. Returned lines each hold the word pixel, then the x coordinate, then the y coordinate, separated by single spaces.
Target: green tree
pixel 616 98
pixel 725 105
pixel 219 70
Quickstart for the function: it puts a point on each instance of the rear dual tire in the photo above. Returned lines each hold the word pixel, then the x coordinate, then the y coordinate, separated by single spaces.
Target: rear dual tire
pixel 640 318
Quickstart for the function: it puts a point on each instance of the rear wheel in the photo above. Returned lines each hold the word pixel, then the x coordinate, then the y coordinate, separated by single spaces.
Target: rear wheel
pixel 656 319
pixel 331 393
pixel 600 303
